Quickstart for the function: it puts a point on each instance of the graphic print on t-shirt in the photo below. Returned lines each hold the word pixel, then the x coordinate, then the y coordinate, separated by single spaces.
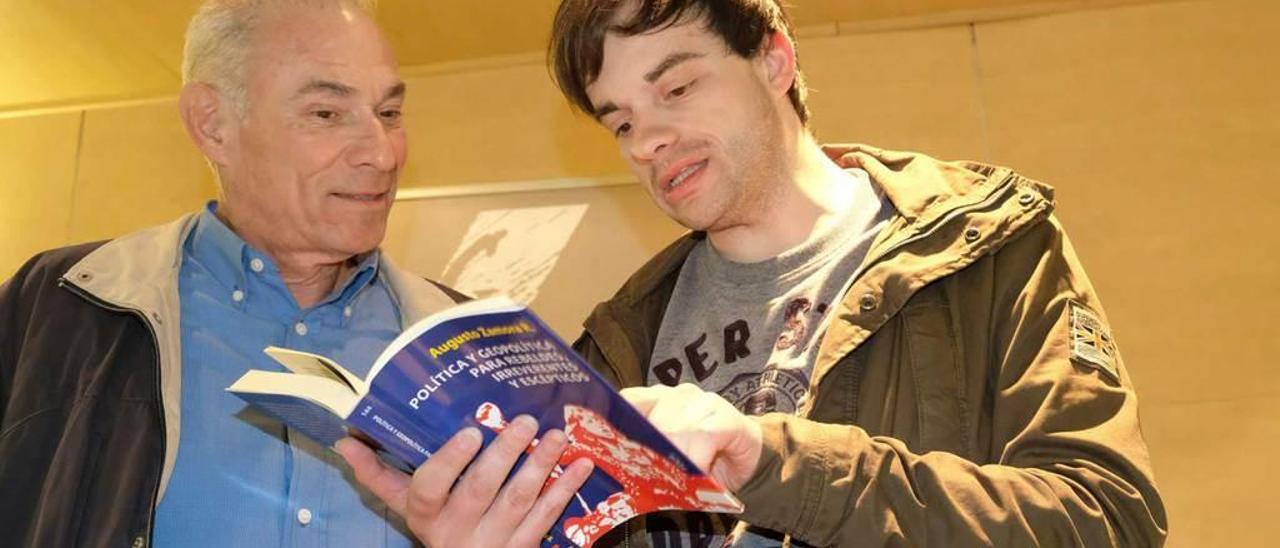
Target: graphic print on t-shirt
pixel 778 386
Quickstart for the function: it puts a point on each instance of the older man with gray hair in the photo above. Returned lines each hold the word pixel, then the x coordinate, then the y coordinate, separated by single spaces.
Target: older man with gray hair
pixel 115 429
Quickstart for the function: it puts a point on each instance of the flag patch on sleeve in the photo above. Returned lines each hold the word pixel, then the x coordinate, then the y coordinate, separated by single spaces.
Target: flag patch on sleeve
pixel 1091 341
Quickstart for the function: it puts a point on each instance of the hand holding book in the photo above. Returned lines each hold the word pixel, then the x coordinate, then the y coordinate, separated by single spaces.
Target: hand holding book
pixel 479 510
pixel 467 369
pixel 713 433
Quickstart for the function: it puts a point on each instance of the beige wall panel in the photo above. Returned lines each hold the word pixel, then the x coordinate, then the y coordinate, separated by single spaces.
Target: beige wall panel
pixel 436 32
pixel 618 231
pixel 499 124
pixel 78 52
pixel 1157 124
pixel 37 170
pixel 1210 462
pixel 137 168
pixel 904 90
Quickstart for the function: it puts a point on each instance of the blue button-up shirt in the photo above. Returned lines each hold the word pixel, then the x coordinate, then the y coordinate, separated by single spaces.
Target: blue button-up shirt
pixel 241 478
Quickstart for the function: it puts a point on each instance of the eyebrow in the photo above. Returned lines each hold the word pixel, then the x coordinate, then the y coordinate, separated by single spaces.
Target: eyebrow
pixel 604 110
pixel 328 87
pixel 340 89
pixel 668 63
pixel 396 91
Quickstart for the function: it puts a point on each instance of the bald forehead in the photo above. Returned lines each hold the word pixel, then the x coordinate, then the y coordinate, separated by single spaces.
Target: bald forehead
pixel 300 54
pixel 329 35
pixel 300 25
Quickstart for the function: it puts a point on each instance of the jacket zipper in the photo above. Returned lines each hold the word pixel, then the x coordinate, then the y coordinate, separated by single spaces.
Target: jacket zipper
pixel 996 195
pixel 155 490
pixel 946 218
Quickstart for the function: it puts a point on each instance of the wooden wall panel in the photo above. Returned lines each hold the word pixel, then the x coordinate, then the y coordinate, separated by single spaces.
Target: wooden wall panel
pixel 137 168
pixel 1211 465
pixel 37 171
pixel 499 124
pixel 912 90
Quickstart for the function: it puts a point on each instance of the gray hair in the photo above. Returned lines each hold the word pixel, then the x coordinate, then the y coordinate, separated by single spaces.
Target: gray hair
pixel 219 35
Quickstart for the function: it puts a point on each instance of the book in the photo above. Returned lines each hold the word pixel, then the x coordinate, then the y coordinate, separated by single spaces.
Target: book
pixel 479 364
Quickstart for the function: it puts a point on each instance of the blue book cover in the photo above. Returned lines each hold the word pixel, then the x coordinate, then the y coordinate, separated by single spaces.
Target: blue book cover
pixel 480 364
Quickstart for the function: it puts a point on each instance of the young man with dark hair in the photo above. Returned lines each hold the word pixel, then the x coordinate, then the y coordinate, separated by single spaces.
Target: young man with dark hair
pixel 868 347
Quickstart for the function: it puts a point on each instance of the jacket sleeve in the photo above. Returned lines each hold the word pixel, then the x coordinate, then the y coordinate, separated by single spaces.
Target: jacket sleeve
pixel 1067 463
pixel 586 347
pixel 12 331
pixel 7 341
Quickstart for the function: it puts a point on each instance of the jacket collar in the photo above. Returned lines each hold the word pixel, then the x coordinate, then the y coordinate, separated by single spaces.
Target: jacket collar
pixel 921 188
pixel 138 273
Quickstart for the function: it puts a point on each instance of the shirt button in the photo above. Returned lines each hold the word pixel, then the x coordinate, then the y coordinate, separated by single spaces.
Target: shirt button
pixel 304 517
pixel 300 328
pixel 346 311
pixel 868 302
pixel 237 295
pixel 256 265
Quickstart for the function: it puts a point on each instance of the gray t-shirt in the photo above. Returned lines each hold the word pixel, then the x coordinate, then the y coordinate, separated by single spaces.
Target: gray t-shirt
pixel 751 332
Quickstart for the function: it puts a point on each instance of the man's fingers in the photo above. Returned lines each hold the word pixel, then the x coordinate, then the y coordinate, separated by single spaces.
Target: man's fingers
pixel 643 398
pixel 682 408
pixel 524 487
pixel 846 156
pixel 429 490
pixel 697 446
pixel 475 492
pixel 551 504
pixel 384 482
pixel 705 427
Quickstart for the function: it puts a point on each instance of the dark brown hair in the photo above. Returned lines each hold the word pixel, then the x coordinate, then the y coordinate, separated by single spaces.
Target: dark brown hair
pixel 576 51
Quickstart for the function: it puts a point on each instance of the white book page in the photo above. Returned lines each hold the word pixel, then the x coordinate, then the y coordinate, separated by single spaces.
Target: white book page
pixel 306 363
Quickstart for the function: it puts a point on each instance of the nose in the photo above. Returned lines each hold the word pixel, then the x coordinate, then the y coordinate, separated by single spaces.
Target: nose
pixel 648 139
pixel 375 146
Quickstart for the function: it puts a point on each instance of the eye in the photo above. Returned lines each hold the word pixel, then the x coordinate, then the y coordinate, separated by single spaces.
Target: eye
pixel 680 91
pixel 390 115
pixel 622 130
pixel 325 114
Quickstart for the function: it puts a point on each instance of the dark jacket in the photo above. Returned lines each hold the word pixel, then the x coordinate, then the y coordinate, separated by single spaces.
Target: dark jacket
pixel 959 397
pixel 90 384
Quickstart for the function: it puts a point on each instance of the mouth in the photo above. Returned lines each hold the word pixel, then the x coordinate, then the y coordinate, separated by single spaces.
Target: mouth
pixel 675 178
pixel 363 197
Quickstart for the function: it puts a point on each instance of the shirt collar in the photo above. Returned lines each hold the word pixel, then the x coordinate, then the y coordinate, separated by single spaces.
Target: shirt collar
pixel 230 260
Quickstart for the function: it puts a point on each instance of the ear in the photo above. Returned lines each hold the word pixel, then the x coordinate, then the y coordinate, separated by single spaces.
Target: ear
pixel 207 117
pixel 779 62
